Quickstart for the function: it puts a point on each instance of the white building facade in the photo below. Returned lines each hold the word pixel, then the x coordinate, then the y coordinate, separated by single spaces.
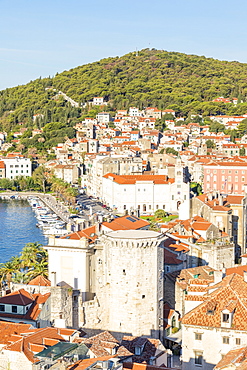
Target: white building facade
pixel 146 193
pixel 17 167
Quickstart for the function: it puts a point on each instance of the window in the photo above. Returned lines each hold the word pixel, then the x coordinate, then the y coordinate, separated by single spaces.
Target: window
pixel 2 307
pixel 230 171
pixel 137 351
pixel 238 341
pixel 172 197
pixel 225 317
pixel 124 272
pixel 198 358
pixel 124 207
pixel 243 179
pixel 225 340
pixel 14 309
pixel 164 207
pixel 236 178
pixel 198 336
pixel 210 312
pixel 222 171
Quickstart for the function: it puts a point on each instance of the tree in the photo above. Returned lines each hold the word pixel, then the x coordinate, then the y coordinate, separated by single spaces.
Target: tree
pixel 160 213
pixel 242 151
pixel 172 151
pixel 242 127
pixel 41 177
pixel 210 144
pixel 216 127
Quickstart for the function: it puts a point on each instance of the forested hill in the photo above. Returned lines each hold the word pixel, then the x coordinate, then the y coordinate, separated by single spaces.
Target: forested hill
pixel 185 83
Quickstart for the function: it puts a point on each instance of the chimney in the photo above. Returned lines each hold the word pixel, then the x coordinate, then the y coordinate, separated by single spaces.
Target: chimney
pixel 220 200
pixel 218 275
pixel 53 279
pixel 245 276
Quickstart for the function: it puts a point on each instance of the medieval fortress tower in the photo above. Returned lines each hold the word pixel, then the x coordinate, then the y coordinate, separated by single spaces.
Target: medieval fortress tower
pixel 117 281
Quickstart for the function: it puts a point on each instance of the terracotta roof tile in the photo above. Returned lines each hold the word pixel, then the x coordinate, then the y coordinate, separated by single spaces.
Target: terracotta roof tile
pixel 232 289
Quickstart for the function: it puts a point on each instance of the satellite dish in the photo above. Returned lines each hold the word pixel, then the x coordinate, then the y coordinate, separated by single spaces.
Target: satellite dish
pixel 92 234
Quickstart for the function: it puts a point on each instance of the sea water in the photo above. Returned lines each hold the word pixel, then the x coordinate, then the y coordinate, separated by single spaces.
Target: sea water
pixel 17 228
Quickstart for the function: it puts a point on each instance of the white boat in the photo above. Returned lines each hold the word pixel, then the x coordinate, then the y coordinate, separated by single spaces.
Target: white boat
pixel 54 223
pixel 55 231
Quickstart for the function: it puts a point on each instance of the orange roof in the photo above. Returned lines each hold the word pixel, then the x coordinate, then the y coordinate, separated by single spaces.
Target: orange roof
pixel 89 233
pixel 126 223
pixel 84 364
pixel 31 341
pixel 235 357
pixel 237 270
pixel 232 289
pixel 40 281
pixel 132 179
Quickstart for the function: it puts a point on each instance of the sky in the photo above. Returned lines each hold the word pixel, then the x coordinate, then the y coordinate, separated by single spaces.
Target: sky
pixel 41 38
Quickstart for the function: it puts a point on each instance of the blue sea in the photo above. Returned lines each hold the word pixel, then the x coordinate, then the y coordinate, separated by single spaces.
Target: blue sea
pixel 17 227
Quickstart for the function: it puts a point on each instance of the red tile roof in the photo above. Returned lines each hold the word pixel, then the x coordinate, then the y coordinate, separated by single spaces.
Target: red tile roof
pixel 123 223
pixel 132 179
pixel 40 281
pixel 232 289
pixel 89 233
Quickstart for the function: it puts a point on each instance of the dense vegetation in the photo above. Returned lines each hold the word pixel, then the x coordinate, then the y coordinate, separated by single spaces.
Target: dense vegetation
pixel 185 83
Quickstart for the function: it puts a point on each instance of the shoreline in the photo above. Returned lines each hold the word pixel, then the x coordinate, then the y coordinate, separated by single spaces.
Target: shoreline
pixel 48 199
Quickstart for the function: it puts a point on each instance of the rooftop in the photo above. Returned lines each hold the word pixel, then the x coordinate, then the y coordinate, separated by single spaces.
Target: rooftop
pixel 134 234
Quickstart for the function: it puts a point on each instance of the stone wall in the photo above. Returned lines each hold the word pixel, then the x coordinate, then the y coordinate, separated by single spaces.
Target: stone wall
pixel 128 282
pixel 61 305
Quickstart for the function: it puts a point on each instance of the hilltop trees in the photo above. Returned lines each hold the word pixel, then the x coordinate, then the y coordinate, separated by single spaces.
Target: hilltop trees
pixel 185 83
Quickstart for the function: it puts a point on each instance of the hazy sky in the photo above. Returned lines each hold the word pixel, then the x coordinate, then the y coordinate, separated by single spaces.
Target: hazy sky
pixel 40 38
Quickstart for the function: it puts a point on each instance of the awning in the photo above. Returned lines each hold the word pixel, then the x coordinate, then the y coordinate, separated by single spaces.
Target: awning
pixel 176 337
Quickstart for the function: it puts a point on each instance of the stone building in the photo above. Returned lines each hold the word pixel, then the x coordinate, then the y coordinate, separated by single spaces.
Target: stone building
pixel 227 212
pixel 101 165
pixel 147 193
pixel 116 282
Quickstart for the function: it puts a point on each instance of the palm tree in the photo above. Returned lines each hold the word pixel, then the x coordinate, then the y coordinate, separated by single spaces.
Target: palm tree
pixel 30 255
pixel 38 269
pixel 7 269
pixel 20 277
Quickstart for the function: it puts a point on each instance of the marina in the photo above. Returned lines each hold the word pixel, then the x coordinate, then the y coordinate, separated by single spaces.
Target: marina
pixel 26 218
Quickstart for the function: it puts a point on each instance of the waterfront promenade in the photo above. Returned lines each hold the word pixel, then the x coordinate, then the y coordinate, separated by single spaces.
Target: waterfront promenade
pixel 49 200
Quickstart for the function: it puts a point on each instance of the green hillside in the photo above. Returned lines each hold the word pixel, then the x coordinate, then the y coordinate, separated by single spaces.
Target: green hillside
pixel 185 83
